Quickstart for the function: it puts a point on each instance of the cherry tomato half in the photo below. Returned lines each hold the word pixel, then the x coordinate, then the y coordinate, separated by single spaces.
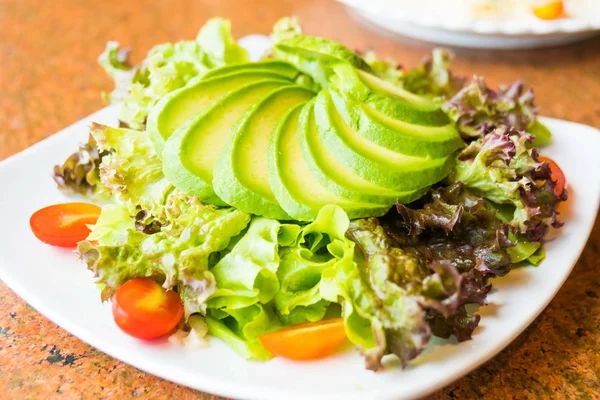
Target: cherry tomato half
pixel 65 224
pixel 306 341
pixel 557 175
pixel 144 309
pixel 550 10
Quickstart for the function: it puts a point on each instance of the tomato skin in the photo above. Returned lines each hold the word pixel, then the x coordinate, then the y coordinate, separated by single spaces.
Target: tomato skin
pixel 64 225
pixel 307 341
pixel 145 310
pixel 557 175
pixel 549 11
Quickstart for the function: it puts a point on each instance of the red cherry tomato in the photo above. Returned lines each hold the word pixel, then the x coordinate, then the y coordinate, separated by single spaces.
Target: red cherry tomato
pixel 64 224
pixel 306 341
pixel 145 310
pixel 557 175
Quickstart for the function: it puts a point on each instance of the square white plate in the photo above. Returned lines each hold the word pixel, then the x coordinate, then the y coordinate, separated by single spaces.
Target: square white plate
pixel 61 288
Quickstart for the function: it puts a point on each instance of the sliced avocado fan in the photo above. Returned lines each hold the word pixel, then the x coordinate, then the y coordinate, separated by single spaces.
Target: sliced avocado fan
pixel 176 107
pixel 298 192
pixel 241 176
pixel 338 178
pixel 258 137
pixel 190 153
pixel 386 97
pixel 376 164
pixel 395 134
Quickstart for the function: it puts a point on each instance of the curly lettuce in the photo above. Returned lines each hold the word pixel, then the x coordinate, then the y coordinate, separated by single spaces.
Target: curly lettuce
pixel 179 256
pixel 79 174
pixel 409 275
pixel 433 77
pixel 248 274
pixel 285 28
pixel 131 171
pixel 478 110
pixel 218 44
pixel 272 277
pixel 502 168
pixel 167 67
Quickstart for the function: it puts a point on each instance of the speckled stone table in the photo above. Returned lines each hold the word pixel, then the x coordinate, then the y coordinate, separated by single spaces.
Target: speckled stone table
pixel 49 79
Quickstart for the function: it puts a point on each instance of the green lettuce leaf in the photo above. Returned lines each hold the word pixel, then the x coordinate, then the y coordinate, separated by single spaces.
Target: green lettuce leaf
pixel 523 249
pixel 179 256
pixel 117 65
pixel 285 28
pixel 193 334
pixel 241 327
pixel 319 247
pixel 167 67
pixel 385 68
pixel 316 56
pixel 271 277
pixel 248 274
pixel 433 76
pixel 537 257
pixel 216 41
pixel 131 171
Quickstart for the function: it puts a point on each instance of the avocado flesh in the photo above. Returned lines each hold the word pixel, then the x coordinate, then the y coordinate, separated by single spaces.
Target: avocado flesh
pixel 370 161
pixel 336 177
pixel 190 153
pixel 279 67
pixel 387 98
pixel 176 107
pixel 316 56
pixel 241 176
pixel 294 187
pixel 208 132
pixel 394 134
pixel 180 177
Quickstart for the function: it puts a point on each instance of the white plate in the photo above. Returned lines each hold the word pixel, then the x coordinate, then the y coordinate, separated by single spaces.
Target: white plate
pixel 516 33
pixel 61 288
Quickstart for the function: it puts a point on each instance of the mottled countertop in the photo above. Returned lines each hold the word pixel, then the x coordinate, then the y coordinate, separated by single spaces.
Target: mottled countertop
pixel 49 79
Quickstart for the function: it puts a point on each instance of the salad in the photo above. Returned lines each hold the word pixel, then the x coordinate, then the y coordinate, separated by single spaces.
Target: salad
pixel 315 196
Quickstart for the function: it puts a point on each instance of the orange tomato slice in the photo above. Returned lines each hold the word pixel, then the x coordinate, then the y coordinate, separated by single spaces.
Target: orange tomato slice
pixel 145 310
pixel 557 175
pixel 552 10
pixel 65 224
pixel 307 341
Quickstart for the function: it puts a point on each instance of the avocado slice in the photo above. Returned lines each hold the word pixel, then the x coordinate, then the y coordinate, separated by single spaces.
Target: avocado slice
pixel 396 135
pixel 173 109
pixel 190 153
pixel 297 191
pixel 338 178
pixel 279 67
pixel 370 161
pixel 241 176
pixel 387 98
pixel 316 56
pixel 180 177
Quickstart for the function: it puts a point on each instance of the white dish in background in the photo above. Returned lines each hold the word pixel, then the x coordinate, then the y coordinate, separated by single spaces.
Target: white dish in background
pixel 60 287
pixel 516 33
